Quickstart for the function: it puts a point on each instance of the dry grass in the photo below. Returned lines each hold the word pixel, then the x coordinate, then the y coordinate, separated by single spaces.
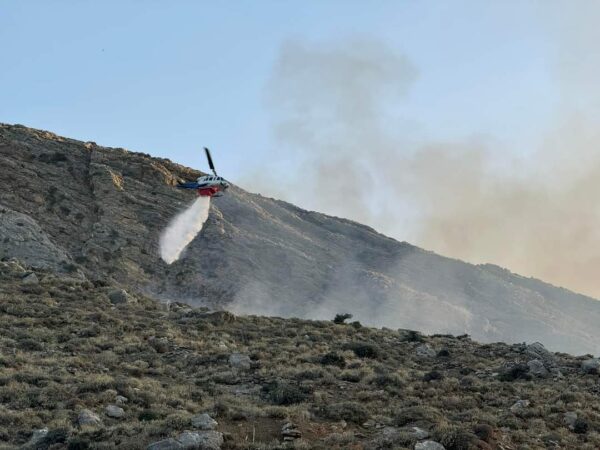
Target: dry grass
pixel 65 347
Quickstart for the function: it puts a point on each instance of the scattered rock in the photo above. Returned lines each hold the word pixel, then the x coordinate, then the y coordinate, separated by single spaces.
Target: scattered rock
pixel 166 444
pixel 429 445
pixel 519 405
pixel 87 417
pixel 290 432
pixel 538 351
pixel 537 368
pixel 189 439
pixel 201 440
pixel 204 422
pixel 120 297
pixel 37 437
pixel 590 366
pixel 549 360
pixel 419 433
pixel 114 411
pixel 120 400
pixel 425 350
pixel 30 279
pixel 239 361
pixel 570 418
pixel 25 240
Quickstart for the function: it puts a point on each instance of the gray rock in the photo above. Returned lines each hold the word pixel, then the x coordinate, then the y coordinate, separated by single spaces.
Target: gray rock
pixel 419 433
pixel 87 417
pixel 425 350
pixel 429 445
pixel 114 411
pixel 519 405
pixel 591 365
pixel 204 422
pixel 36 438
pixel 30 279
pixel 201 440
pixel 189 440
pixel 119 297
pixel 24 239
pixel 166 444
pixel 290 432
pixel 239 361
pixel 120 400
pixel 538 351
pixel 570 418
pixel 537 368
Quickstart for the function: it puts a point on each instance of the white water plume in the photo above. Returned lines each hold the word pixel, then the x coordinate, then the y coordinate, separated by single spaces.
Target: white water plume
pixel 182 229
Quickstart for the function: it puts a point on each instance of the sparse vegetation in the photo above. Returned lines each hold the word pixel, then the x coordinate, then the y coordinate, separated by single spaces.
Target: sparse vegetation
pixel 341 318
pixel 65 347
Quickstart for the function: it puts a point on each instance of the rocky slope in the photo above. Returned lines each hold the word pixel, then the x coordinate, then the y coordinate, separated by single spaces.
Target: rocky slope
pixel 87 366
pixel 96 213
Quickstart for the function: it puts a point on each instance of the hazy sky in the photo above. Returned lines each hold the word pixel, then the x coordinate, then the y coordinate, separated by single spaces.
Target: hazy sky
pixel 423 102
pixel 169 77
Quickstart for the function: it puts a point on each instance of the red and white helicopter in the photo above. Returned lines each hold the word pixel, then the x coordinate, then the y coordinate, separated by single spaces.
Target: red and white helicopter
pixel 207 185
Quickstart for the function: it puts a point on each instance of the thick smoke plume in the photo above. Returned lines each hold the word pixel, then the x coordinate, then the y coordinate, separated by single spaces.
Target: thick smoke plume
pixel 182 229
pixel 337 108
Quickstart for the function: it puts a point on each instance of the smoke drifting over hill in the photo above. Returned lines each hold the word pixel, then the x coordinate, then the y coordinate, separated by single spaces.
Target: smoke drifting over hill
pixel 536 212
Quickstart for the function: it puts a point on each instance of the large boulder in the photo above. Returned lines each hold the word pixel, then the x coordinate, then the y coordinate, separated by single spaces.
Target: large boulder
pixel 190 440
pixel 204 422
pixel 87 417
pixel 202 440
pixel 22 238
pixel 114 411
pixel 240 361
pixel 425 351
pixel 537 368
pixel 591 365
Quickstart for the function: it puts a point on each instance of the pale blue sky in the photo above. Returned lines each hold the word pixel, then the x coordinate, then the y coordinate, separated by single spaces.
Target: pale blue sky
pixel 167 78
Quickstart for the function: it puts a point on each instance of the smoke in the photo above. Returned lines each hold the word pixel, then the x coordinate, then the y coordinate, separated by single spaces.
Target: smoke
pixel 338 112
pixel 182 229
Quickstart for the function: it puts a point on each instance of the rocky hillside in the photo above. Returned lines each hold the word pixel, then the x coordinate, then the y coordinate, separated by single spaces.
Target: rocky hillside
pixel 96 213
pixel 85 365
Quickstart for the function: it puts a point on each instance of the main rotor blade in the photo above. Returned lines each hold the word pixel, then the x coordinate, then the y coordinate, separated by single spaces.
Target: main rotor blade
pixel 210 161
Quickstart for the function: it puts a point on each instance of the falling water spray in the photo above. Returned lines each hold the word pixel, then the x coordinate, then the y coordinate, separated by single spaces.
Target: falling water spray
pixel 182 229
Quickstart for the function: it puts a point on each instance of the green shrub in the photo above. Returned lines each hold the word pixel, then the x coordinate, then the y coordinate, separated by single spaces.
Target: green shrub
pixel 417 415
pixel 148 415
pixel 280 393
pixel 348 411
pixel 363 349
pixel 333 359
pixel 341 318
pixel 454 438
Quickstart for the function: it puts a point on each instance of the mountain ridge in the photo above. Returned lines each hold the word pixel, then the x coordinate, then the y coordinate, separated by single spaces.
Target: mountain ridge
pixel 105 208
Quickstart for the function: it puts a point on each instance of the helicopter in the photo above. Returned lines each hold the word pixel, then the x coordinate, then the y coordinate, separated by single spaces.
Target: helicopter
pixel 207 185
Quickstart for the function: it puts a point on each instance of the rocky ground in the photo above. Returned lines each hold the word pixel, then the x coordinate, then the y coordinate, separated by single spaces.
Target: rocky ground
pixel 87 365
pixel 85 210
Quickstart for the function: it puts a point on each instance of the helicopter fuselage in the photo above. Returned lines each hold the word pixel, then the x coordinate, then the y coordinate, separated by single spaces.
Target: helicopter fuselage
pixel 207 186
